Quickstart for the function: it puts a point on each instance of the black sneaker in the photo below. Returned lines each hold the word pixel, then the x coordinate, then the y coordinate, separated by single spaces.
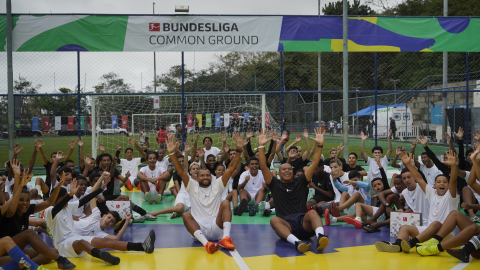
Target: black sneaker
pixel 149 243
pixel 64 263
pixel 302 246
pixel 252 212
pixel 459 254
pixel 267 213
pixel 109 258
pixel 242 207
pixel 322 242
pixel 235 210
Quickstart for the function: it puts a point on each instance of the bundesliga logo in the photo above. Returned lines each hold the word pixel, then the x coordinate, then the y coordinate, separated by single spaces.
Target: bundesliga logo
pixel 154 27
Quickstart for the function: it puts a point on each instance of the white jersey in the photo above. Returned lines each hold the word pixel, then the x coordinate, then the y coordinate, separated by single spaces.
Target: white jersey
pixel 327 169
pixel 254 184
pixel 205 201
pixel 90 226
pixel 338 194
pixel 61 226
pixel 402 166
pixel 430 173
pixel 130 166
pixel 9 184
pixel 440 206
pixel 163 163
pixel 80 210
pixel 418 202
pixel 213 151
pixel 395 191
pixel 373 169
pixel 477 196
pixel 152 174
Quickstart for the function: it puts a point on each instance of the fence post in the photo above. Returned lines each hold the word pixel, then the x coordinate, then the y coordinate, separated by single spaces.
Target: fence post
pixel 376 100
pixel 428 115
pixel 281 93
pixel 78 106
pixel 11 104
pixel 467 100
pixel 183 100
pixel 345 77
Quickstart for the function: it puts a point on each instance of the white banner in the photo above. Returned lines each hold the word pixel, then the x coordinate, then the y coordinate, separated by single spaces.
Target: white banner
pixel 226 119
pixel 156 102
pixel 58 123
pixel 206 33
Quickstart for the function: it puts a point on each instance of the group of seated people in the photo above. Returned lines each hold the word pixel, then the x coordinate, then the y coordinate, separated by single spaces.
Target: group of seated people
pixel 209 182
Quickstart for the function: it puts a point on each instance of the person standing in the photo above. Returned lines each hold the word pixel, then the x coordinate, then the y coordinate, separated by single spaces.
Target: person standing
pixel 393 127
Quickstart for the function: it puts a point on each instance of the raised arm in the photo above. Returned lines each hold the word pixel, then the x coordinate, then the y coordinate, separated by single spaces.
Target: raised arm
pixel 450 142
pixel 96 190
pixel 475 173
pixel 42 154
pixel 53 197
pixel 249 145
pixel 362 146
pixel 139 149
pixel 452 162
pixel 413 146
pixel 16 150
pixel 297 139
pixel 171 146
pixel 406 159
pixel 101 148
pixel 433 157
pixel 262 140
pixel 119 235
pixel 71 145
pixel 394 163
pixel 239 143
pixel 31 164
pixel 80 145
pixel 194 149
pixel 382 173
pixel 11 205
pixel 390 147
pixel 319 139
pixel 86 162
pixel 53 170
pixel 461 150
pixel 201 155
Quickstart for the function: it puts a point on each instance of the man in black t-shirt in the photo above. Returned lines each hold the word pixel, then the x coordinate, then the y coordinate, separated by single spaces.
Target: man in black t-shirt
pixel 293 222
pixel 352 165
pixel 322 185
pixel 334 153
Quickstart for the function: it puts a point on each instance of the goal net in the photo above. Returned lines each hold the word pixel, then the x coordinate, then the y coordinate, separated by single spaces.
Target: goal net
pixel 207 115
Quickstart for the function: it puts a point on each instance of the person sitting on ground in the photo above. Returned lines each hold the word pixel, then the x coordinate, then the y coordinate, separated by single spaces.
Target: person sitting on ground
pixel 377 151
pixel 335 153
pixel 251 188
pixel 151 177
pixel 352 165
pixel 129 164
pixel 322 185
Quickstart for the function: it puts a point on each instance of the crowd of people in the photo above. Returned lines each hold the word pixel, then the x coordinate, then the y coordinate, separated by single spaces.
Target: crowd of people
pixel 211 185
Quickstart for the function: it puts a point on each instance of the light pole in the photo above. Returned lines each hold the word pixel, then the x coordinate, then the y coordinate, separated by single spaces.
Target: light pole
pixel 356 113
pixel 154 63
pixel 395 88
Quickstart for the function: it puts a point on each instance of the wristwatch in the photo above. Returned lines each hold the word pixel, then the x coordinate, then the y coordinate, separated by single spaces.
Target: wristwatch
pixel 387 204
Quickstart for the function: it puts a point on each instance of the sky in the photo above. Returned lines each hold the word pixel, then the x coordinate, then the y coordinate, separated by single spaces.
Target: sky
pixel 54 70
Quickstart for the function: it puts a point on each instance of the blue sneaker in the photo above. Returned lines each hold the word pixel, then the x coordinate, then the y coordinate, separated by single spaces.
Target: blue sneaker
pixel 251 211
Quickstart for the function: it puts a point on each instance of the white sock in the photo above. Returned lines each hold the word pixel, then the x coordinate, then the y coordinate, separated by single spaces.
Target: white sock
pixel 267 206
pixel 200 237
pixel 333 219
pixel 292 239
pixel 167 192
pixel 226 229
pixel 39 188
pixel 273 210
pixel 359 219
pixel 319 230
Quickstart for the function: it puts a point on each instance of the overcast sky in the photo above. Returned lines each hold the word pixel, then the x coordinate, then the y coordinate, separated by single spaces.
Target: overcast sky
pixel 54 70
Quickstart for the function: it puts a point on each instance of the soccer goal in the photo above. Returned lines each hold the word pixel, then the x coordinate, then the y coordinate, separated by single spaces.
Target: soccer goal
pixel 207 115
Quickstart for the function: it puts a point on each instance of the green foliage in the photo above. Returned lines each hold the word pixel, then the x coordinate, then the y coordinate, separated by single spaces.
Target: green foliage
pixel 112 83
pixel 336 8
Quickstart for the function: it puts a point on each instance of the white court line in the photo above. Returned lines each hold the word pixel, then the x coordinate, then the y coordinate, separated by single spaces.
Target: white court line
pixel 461 265
pixel 238 259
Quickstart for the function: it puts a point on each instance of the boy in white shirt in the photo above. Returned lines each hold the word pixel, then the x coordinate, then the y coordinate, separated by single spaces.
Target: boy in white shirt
pixel 130 164
pixel 150 178
pixel 251 187
pixel 210 217
pixel 212 150
pixel 377 151
pixel 442 199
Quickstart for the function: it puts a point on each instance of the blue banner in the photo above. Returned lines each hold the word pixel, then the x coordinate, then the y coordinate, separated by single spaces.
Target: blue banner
pixel 246 116
pixel 35 124
pixel 436 113
pixel 218 120
pixel 114 121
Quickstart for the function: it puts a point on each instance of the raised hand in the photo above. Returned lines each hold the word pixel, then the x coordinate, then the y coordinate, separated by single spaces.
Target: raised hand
pixel 414 143
pixel 340 148
pixel 459 134
pixel 298 138
pixel 305 133
pixel 60 155
pixel 79 142
pixel 398 150
pixel 201 153
pixel 187 146
pixel 39 144
pixel 406 158
pixel 423 140
pixel 447 137
pixel 284 136
pixel 226 148
pixel 249 134
pixel 262 137
pixel 476 136
pixel 131 141
pixel 73 187
pixel 197 137
pixel 318 136
pixel 15 165
pixel 275 136
pixel 105 176
pixel 119 149
pixel 451 159
pixel 17 150
pixel 292 153
pixel 377 159
pixel 240 141
pixel 101 147
pixel 128 216
pixel 26 178
pixel 363 136
pixel 224 136
pixel 72 144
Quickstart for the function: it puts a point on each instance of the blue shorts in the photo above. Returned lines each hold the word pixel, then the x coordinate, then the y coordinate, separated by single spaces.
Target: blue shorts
pixel 296 223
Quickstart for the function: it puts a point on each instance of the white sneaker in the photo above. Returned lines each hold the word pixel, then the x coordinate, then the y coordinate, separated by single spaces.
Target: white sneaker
pixel 261 208
pixel 148 197
pixel 158 198
pixel 149 216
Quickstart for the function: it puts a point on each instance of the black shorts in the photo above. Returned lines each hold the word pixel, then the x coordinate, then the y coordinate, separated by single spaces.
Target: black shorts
pixel 319 198
pixel 296 223
pixel 110 197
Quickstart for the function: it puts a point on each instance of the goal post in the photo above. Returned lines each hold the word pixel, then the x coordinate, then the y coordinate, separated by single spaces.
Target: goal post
pixel 152 119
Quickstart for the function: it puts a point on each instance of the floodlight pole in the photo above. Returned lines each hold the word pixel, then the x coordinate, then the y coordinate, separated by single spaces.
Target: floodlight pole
pixel 154 63
pixel 345 78
pixel 319 81
pixel 445 80
pixel 11 106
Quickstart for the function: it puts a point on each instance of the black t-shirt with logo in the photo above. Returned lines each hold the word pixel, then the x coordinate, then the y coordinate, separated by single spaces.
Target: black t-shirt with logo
pixel 347 168
pixel 324 183
pixel 297 164
pixel 290 198
pixel 16 224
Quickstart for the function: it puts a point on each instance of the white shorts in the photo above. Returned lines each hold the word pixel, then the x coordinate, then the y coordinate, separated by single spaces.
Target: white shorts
pixel 153 192
pixel 423 228
pixel 210 229
pixel 184 198
pixel 65 248
pixel 381 218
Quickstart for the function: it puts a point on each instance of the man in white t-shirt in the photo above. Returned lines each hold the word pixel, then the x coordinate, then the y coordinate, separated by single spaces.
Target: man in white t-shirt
pixel 440 201
pixel 130 164
pixel 153 179
pixel 212 150
pixel 210 217
pixel 377 151
pixel 429 169
pixel 251 187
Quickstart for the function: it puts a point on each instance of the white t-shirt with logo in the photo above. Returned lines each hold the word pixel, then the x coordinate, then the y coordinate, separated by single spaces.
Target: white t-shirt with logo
pixel 418 202
pixel 159 170
pixel 338 194
pixel 213 151
pixel 440 206
pixel 430 173
pixel 90 226
pixel 80 210
pixel 373 169
pixel 205 201
pixel 254 184
pixel 9 184
pixel 130 166
pixel 62 226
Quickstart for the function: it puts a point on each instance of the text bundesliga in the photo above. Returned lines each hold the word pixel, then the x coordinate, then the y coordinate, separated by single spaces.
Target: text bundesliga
pixel 201 27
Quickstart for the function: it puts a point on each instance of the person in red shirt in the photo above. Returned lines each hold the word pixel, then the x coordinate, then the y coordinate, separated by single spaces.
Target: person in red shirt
pixel 161 138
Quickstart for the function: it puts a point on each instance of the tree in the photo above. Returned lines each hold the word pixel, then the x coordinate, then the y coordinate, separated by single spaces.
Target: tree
pixel 112 83
pixel 336 8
